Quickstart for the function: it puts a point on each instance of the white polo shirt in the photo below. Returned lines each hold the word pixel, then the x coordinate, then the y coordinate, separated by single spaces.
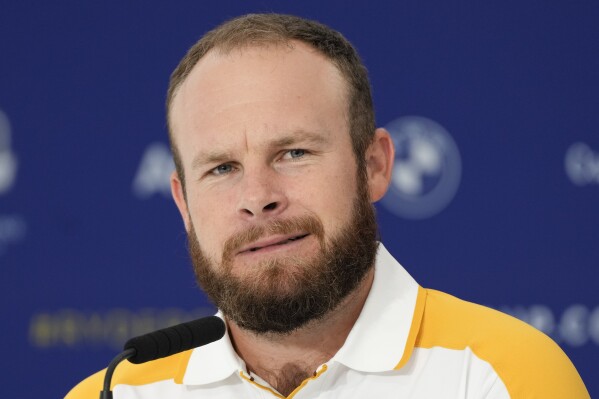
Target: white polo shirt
pixel 408 342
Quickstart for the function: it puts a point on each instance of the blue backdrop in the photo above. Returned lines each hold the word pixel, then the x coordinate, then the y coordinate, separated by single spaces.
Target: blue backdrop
pixel 493 106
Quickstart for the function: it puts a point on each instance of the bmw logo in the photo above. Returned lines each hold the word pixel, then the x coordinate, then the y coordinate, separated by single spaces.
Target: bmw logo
pixel 427 169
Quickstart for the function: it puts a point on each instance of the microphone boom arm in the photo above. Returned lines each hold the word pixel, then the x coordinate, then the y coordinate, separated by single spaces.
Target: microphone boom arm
pixel 106 392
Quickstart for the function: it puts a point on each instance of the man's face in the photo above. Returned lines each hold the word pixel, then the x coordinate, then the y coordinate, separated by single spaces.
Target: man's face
pixel 271 177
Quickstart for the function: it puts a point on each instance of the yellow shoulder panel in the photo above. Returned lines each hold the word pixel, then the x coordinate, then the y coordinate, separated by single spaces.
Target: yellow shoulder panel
pixel 172 367
pixel 528 362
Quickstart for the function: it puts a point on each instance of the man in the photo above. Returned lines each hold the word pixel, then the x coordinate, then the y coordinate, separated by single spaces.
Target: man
pixel 278 161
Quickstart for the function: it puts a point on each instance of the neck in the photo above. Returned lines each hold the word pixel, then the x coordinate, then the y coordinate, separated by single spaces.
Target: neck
pixel 285 360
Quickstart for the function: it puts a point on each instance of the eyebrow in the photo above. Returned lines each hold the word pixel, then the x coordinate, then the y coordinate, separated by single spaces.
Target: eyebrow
pixel 296 137
pixel 299 137
pixel 212 157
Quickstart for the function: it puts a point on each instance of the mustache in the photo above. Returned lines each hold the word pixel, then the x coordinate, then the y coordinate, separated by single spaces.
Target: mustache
pixel 305 224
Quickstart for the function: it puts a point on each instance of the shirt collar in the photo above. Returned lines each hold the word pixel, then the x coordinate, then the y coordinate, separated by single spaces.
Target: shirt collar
pixel 382 338
pixel 213 362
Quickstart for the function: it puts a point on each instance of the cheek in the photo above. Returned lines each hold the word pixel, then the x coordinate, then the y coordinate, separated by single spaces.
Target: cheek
pixel 330 197
pixel 209 218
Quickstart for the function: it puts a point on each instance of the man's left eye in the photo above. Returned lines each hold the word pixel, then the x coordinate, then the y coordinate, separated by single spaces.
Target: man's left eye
pixel 222 169
pixel 294 154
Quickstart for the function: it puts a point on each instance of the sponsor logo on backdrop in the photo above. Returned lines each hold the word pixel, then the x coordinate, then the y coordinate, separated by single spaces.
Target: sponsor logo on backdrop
pixel 578 325
pixel 154 172
pixel 427 169
pixel 75 328
pixel 8 160
pixel 12 226
pixel 582 164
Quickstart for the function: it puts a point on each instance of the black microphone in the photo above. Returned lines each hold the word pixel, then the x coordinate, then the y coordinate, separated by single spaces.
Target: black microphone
pixel 165 342
pixel 175 339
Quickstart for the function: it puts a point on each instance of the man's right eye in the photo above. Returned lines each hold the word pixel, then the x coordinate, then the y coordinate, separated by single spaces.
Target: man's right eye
pixel 222 169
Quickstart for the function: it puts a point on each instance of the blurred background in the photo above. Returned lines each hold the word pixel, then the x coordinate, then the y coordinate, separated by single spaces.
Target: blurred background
pixel 495 198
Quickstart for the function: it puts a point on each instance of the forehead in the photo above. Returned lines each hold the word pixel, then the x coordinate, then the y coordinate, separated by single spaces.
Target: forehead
pixel 256 86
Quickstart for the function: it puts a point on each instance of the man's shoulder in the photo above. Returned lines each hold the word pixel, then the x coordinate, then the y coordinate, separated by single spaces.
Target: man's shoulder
pixel 523 357
pixel 454 323
pixel 126 373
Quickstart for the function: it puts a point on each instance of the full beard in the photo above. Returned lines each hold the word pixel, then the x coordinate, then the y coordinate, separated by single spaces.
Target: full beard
pixel 282 294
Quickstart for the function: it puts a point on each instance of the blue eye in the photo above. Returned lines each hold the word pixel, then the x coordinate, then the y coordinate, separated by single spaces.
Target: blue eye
pixel 222 169
pixel 296 153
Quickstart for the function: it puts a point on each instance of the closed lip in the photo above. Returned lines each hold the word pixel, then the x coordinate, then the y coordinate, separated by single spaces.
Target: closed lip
pixel 271 240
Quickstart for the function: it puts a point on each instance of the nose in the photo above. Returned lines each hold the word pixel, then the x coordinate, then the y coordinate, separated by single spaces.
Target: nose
pixel 261 195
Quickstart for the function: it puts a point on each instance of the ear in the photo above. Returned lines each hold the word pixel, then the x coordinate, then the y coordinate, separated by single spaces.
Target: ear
pixel 179 197
pixel 379 164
